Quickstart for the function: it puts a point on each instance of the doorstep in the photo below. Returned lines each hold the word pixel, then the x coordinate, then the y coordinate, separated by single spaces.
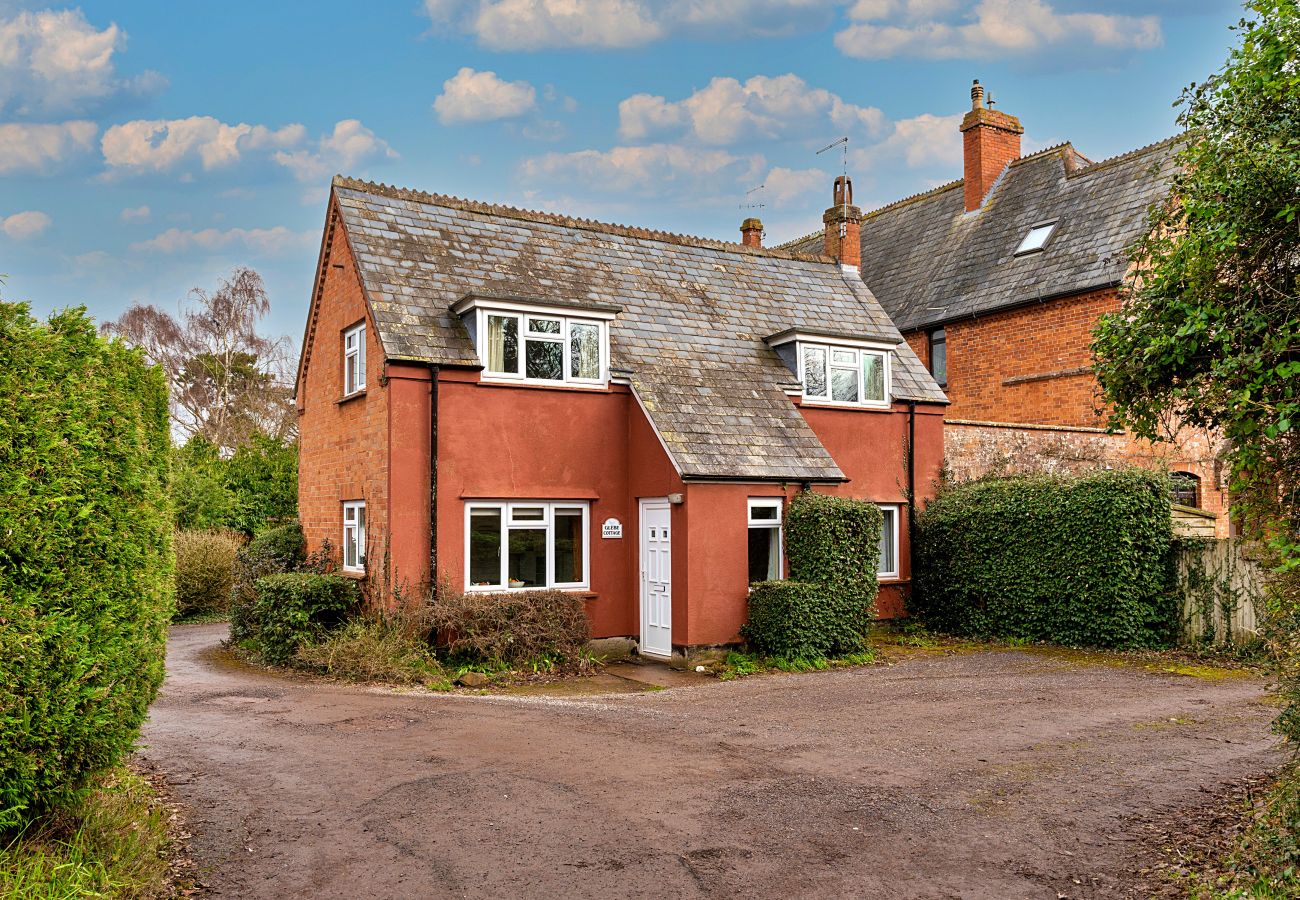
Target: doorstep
pixel 655 674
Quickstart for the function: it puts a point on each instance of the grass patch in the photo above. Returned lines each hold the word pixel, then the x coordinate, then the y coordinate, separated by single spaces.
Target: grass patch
pixel 741 664
pixel 109 844
pixel 375 647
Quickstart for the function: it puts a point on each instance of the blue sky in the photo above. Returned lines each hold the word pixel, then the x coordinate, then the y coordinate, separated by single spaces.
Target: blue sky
pixel 145 151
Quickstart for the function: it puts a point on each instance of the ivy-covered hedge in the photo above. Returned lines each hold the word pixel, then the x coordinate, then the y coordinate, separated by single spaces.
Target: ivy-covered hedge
pixel 85 554
pixel 833 547
pixel 1082 561
pixel 298 608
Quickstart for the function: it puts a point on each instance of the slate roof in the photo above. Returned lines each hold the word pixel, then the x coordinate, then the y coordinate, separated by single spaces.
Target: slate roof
pixel 930 262
pixel 689 336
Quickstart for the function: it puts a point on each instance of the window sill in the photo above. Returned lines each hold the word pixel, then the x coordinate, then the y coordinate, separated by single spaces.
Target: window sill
pixel 584 593
pixel 838 404
pixel 355 574
pixel 348 398
pixel 544 385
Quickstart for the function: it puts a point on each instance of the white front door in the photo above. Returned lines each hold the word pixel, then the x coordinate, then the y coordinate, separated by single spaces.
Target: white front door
pixel 656 579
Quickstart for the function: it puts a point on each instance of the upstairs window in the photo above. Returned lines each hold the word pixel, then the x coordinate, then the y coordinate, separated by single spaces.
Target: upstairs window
pixel 764 539
pixel 939 356
pixel 537 347
pixel 841 374
pixel 354 359
pixel 1037 238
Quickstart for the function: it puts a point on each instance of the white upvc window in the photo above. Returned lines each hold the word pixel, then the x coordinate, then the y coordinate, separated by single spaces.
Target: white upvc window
pixel 519 544
pixel 847 375
pixel 765 539
pixel 543 347
pixel 888 567
pixel 354 359
pixel 354 536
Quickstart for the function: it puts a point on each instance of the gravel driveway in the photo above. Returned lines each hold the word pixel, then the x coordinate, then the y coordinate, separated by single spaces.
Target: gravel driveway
pixel 990 774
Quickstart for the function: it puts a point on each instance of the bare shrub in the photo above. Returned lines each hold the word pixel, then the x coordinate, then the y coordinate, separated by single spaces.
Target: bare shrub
pixel 515 628
pixel 205 570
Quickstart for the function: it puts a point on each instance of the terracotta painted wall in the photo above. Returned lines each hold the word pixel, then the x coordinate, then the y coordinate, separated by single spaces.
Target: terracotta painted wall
pixel 343 445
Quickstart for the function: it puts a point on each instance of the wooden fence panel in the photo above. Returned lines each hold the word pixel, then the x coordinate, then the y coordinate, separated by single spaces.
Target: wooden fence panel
pixel 1221 589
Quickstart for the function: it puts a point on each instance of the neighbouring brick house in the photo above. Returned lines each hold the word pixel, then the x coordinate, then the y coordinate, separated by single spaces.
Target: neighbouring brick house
pixel 508 399
pixel 997 280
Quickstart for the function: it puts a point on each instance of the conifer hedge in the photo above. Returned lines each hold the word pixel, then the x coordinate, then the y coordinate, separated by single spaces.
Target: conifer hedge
pixel 85 554
pixel 825 608
pixel 1082 561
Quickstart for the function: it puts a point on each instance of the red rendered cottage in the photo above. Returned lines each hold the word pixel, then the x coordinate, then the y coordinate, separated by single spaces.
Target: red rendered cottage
pixel 510 400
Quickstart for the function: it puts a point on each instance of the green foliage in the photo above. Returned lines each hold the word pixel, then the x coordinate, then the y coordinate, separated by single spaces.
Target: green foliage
pixel 109 843
pixel 825 609
pixel 255 488
pixel 740 665
pixel 1211 326
pixel 299 608
pixel 85 554
pixel 515 629
pixel 1082 561
pixel 378 645
pixel 205 571
pixel 273 552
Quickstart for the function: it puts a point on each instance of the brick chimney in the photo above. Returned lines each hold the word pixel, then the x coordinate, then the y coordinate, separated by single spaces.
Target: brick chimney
pixel 991 139
pixel 751 233
pixel 844 225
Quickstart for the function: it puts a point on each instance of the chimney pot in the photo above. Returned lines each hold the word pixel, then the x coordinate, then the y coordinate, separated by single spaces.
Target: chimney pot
pixel 976 95
pixel 843 221
pixel 751 232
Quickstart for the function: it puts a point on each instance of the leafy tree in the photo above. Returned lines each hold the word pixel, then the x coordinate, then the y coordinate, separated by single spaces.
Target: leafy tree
pixel 253 489
pixel 228 382
pixel 1210 330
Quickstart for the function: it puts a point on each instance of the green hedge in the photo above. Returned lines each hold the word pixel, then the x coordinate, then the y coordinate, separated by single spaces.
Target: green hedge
pixel 1082 561
pixel 833 547
pixel 85 554
pixel 298 608
pixel 273 552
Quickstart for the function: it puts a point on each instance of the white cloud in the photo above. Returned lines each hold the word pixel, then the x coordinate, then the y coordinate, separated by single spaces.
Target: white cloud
pixel 923 140
pixel 261 241
pixel 656 168
pixel 784 186
pixel 56 61
pixel 38 148
pixel 202 143
pixel 614 24
pixel 882 29
pixel 350 145
pixel 727 112
pixel 471 96
pixel 23 225
pixel 136 214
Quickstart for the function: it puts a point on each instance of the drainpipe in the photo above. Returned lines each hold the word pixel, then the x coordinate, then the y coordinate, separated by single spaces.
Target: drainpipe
pixel 433 479
pixel 911 479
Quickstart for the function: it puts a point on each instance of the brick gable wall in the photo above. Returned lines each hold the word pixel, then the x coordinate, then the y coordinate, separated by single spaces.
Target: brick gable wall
pixel 343 447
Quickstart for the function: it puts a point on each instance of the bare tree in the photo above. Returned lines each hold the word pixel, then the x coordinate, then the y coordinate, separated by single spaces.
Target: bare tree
pixel 228 382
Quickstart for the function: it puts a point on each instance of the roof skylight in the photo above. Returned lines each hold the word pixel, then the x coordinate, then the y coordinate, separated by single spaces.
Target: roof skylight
pixel 1037 238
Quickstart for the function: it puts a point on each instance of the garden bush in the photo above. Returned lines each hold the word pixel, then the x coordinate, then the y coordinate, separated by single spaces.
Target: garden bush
pixel 1081 561
pixel 515 628
pixel 833 547
pixel 205 571
pixel 85 554
pixel 377 645
pixel 297 608
pixel 273 552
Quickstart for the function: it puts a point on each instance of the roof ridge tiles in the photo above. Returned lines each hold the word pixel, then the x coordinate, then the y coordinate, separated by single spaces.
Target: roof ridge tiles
pixel 1129 154
pixel 532 215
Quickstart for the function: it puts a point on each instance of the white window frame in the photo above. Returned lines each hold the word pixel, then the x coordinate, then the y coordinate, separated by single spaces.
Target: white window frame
pixel 564 338
pixel 898 512
pixel 509 521
pixel 357 524
pixel 354 351
pixel 885 354
pixel 777 525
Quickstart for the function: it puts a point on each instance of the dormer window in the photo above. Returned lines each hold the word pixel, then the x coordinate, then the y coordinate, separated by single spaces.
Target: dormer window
pixel 840 374
pixel 518 341
pixel 1037 238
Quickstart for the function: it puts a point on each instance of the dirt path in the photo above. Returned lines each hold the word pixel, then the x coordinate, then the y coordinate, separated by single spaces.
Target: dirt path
pixel 986 775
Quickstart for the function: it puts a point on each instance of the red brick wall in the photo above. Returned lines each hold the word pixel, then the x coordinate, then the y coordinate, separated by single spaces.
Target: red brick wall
pixel 987 147
pixel 1028 365
pixel 343 451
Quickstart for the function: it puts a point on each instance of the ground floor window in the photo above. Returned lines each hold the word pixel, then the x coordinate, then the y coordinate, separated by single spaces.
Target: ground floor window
pixel 764 539
pixel 354 536
pixel 888 567
pixel 526 544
